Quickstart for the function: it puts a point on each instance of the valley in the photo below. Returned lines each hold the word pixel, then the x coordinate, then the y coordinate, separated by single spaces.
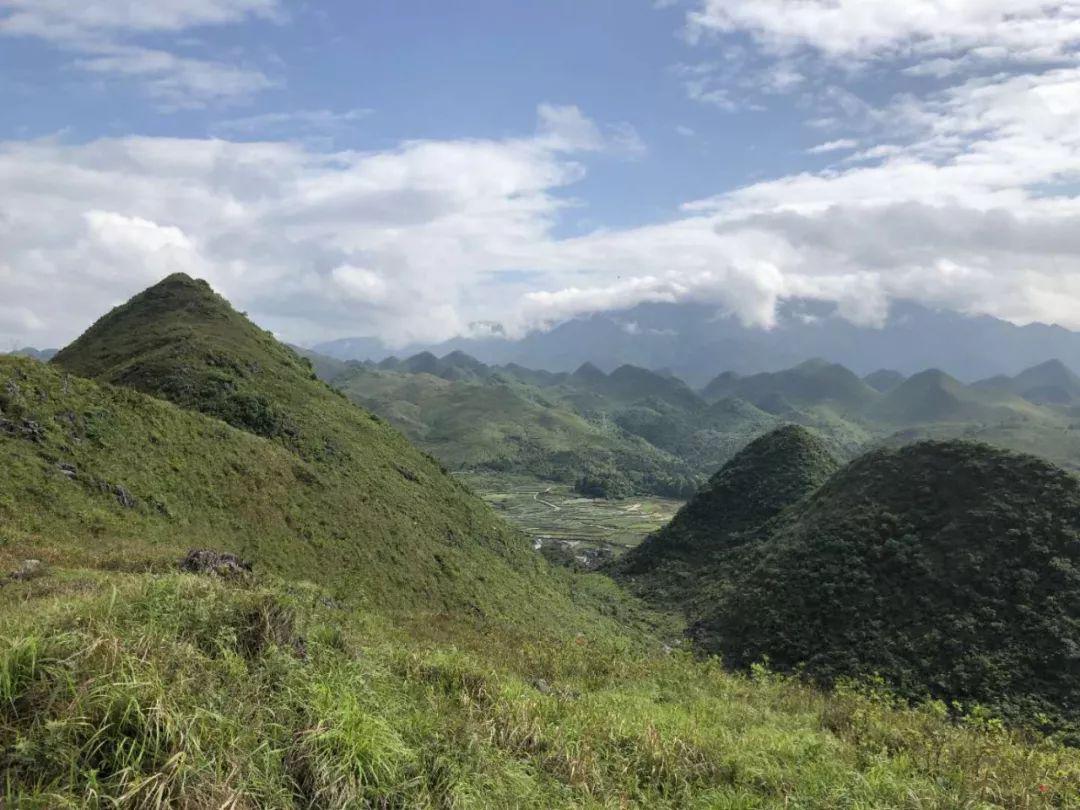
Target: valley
pixel 567 527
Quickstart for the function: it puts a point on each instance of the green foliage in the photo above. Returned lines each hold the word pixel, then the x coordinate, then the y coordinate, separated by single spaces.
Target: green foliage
pixel 768 475
pixel 949 569
pixel 604 481
pixel 342 499
pixel 494 422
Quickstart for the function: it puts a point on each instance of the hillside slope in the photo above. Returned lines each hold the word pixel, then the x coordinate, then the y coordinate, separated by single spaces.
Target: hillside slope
pixel 308 484
pixel 501 424
pixel 948 568
pixel 768 475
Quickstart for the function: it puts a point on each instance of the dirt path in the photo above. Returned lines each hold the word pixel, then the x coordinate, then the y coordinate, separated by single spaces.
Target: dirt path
pixel 536 497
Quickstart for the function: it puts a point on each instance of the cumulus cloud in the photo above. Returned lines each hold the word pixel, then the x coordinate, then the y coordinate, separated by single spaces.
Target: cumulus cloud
pixel 316 244
pixel 104 34
pixel 839 145
pixel 869 29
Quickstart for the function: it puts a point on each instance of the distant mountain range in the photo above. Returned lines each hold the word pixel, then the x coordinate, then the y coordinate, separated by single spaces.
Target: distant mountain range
pixel 636 430
pixel 695 343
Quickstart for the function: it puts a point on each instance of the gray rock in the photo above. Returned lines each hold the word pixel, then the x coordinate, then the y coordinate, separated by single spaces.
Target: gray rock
pixel 28 569
pixel 22 429
pixel 214 563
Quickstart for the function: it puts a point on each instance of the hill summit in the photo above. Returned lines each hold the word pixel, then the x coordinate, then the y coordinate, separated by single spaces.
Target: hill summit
pixel 948 568
pixel 768 475
pixel 359 508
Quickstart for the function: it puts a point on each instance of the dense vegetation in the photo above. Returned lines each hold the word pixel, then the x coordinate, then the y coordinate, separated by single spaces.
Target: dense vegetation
pixel 768 475
pixel 949 569
pixel 342 499
pixel 476 419
pixel 635 431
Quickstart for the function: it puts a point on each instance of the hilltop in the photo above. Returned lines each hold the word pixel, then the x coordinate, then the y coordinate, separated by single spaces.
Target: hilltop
pixel 770 474
pixel 950 569
pixel 814 382
pixel 303 482
pixel 934 396
pixel 1049 383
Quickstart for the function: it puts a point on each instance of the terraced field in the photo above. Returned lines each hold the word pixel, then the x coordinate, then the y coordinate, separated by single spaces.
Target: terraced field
pixel 568 527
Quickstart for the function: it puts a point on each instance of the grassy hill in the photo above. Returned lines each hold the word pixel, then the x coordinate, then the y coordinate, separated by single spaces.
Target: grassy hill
pixel 306 482
pixel 949 569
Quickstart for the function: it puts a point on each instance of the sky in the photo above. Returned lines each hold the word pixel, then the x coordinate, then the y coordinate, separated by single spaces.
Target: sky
pixel 420 170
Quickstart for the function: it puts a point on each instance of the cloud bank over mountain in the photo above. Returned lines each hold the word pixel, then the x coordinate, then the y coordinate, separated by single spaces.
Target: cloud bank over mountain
pixel 954 184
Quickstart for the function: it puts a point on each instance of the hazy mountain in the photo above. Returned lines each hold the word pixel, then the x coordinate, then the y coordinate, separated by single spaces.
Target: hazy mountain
pixel 1050 383
pixel 814 382
pixel 696 344
pixel 34 354
pixel 934 396
pixel 884 380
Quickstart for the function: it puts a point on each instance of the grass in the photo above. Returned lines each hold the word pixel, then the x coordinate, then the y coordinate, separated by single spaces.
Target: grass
pixel 170 690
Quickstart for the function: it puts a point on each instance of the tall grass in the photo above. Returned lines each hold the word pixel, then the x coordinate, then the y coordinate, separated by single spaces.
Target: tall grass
pixel 152 691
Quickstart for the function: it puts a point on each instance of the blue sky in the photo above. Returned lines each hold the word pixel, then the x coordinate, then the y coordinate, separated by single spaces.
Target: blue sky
pixel 416 169
pixel 410 69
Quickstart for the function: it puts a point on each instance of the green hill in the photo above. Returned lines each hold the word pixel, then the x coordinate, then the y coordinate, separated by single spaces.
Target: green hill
pixel 947 568
pixel 395 646
pixel 327 491
pixel 768 475
pixel 814 382
pixel 884 380
pixel 34 354
pixel 1049 383
pixel 934 396
pixel 499 424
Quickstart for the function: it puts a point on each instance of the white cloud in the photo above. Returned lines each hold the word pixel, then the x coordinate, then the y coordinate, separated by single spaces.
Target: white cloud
pixel 978 210
pixel 65 21
pixel 841 145
pixel 288 122
pixel 867 29
pixel 315 244
pixel 178 82
pixel 359 284
pixel 105 33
